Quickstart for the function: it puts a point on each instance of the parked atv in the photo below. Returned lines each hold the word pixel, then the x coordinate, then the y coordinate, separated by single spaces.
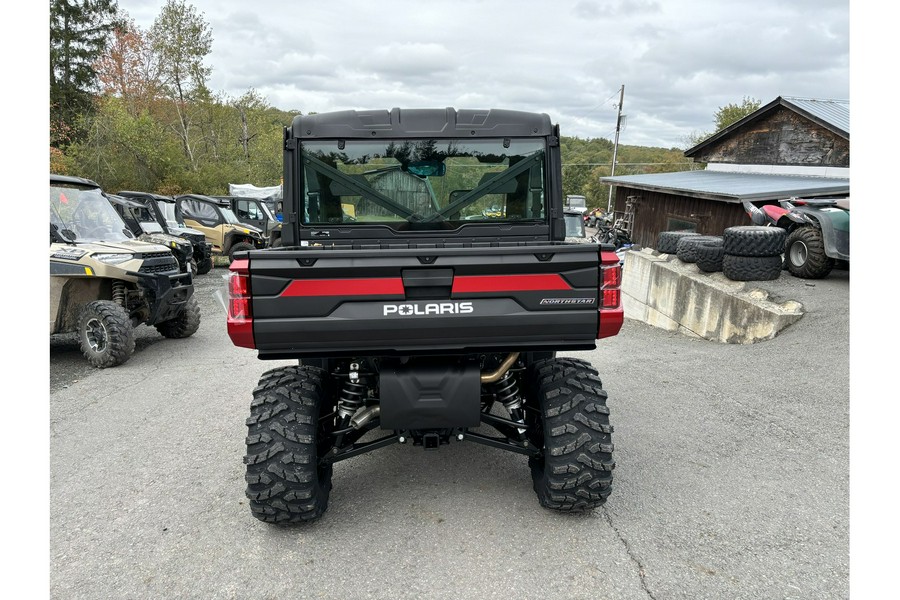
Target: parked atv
pixel 169 217
pixel 214 217
pixel 104 282
pixel 146 228
pixel 818 232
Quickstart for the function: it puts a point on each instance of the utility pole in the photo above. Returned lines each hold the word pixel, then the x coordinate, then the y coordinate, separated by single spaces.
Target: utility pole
pixel 612 170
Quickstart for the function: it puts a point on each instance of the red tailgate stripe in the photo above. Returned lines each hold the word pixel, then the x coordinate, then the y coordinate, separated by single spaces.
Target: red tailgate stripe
pixel 508 283
pixel 388 286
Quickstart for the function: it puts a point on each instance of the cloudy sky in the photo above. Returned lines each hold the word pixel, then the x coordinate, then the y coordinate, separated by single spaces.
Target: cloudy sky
pixel 679 60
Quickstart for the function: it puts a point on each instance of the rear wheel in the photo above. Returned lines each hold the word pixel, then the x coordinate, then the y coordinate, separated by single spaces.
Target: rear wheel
pixel 805 253
pixel 285 481
pixel 105 333
pixel 574 471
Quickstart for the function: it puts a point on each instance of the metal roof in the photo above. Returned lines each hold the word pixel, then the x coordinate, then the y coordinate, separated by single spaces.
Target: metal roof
pixel 833 115
pixel 733 187
pixel 832 112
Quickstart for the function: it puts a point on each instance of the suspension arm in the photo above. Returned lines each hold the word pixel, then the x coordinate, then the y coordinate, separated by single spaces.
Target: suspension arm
pixel 334 456
pixel 527 450
pixel 495 420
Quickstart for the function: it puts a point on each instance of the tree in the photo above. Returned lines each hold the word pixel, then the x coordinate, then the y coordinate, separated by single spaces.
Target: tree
pixel 129 69
pixel 182 39
pixel 732 113
pixel 126 151
pixel 79 30
pixel 723 117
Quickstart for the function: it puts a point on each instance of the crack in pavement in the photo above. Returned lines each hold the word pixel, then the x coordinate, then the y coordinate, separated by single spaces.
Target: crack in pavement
pixel 628 551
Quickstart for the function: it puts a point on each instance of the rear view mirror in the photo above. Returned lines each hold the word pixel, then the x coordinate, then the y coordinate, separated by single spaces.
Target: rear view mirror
pixel 427 168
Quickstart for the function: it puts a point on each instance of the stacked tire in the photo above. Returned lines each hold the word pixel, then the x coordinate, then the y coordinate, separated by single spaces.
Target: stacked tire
pixel 753 253
pixel 667 241
pixel 689 247
pixel 710 256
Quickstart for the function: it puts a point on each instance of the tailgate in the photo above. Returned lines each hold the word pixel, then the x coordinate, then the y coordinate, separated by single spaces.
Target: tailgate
pixel 316 301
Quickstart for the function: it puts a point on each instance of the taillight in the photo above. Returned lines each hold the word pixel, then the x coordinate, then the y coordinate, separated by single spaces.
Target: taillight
pixel 611 315
pixel 238 297
pixel 240 316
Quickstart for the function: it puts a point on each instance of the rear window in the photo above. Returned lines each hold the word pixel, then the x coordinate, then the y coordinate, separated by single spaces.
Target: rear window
pixel 423 184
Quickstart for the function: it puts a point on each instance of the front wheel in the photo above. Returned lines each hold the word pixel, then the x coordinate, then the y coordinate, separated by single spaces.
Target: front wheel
pixel 574 471
pixel 204 266
pixel 239 247
pixel 805 253
pixel 286 483
pixel 185 324
pixel 105 333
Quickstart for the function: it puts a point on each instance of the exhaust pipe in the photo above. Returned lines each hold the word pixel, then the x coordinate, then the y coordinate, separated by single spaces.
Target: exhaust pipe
pixel 364 416
pixel 494 377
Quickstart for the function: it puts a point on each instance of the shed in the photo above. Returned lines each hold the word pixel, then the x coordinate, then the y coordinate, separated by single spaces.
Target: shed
pixel 791 147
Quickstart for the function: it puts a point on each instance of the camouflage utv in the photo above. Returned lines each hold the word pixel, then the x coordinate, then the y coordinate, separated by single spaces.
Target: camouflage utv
pixel 104 282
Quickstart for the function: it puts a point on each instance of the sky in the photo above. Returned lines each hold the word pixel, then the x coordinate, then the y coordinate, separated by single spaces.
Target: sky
pixel 678 60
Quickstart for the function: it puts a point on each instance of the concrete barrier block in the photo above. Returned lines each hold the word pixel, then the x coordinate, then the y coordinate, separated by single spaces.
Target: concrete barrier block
pixel 673 295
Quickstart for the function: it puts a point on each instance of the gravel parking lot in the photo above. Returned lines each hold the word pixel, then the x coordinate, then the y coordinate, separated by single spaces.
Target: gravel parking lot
pixel 732 480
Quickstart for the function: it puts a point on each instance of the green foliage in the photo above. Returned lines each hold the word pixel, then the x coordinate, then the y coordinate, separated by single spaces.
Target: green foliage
pixel 732 113
pixel 153 125
pixel 724 116
pixel 123 151
pixel 145 119
pixel 585 161
pixel 79 30
pixel 144 152
pixel 181 39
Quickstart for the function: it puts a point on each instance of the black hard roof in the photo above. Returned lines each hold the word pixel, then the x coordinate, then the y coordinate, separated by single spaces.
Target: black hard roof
pixel 210 199
pixel 118 199
pixel 421 123
pixel 131 194
pixel 54 178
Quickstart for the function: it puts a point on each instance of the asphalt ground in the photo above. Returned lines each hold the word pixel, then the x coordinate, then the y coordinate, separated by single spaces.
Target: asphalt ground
pixel 732 480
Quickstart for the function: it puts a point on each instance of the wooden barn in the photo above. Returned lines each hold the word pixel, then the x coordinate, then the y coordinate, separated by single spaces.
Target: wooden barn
pixel 791 147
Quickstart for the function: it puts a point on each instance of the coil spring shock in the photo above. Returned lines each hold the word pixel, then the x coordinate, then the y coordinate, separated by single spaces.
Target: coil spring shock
pixel 353 394
pixel 507 393
pixel 118 293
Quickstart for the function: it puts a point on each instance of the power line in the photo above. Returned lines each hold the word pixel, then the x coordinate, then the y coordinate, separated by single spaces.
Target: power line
pixel 613 95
